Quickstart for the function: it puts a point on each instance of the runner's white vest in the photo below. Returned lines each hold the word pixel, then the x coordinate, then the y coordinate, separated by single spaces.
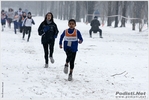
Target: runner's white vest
pixel 70 37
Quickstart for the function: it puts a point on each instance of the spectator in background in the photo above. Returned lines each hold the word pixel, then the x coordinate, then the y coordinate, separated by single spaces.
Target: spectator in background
pixel 15 21
pixel 21 19
pixel 10 16
pixel 3 19
pixel 95 27
pixel 20 12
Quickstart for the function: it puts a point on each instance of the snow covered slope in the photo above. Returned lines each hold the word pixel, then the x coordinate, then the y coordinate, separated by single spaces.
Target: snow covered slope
pixel 116 63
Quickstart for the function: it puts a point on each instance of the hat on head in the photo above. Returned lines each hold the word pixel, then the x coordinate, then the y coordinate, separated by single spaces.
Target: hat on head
pixel 95 17
pixel 20 9
pixel 29 13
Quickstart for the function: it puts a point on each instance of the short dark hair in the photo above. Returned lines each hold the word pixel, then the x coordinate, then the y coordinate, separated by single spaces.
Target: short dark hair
pixel 95 17
pixel 29 13
pixel 72 20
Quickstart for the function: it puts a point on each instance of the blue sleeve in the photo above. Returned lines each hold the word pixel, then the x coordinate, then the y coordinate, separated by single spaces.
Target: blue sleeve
pixel 61 38
pixel 79 36
pixel 6 17
pixel 33 22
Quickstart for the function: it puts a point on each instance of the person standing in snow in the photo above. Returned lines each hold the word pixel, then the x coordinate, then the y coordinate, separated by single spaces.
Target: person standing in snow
pixel 3 19
pixel 10 16
pixel 95 27
pixel 49 31
pixel 27 23
pixel 71 37
pixel 21 19
pixel 20 12
pixel 15 21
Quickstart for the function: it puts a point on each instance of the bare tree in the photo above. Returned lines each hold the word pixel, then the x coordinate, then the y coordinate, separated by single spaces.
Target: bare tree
pixel 134 16
pixel 124 8
pixel 102 6
pixel 109 13
pixel 60 10
pixel 85 10
pixel 65 10
pixel 78 11
pixel 65 16
pixel 91 5
pixel 141 7
pixel 70 7
pixel 116 18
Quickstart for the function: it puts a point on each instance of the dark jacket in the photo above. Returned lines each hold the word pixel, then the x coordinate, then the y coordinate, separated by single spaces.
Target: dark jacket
pixel 95 24
pixel 22 18
pixel 50 34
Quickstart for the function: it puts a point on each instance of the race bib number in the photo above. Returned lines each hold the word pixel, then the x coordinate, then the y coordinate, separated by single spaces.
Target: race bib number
pixel 69 43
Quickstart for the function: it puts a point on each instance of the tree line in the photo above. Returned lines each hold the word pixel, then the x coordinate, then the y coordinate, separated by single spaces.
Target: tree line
pixel 109 11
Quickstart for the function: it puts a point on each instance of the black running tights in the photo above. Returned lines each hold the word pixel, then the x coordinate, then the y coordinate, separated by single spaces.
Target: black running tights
pixel 70 58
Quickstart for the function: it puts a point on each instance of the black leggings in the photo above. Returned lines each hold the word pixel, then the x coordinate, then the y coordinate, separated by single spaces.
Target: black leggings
pixel 70 58
pixel 9 22
pixel 46 51
pixel 99 30
pixel 27 30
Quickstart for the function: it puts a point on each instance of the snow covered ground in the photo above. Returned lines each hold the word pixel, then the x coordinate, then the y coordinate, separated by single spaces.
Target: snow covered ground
pixel 98 63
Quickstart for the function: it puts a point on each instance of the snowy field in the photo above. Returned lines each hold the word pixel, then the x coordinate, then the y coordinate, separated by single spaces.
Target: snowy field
pixel 116 63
